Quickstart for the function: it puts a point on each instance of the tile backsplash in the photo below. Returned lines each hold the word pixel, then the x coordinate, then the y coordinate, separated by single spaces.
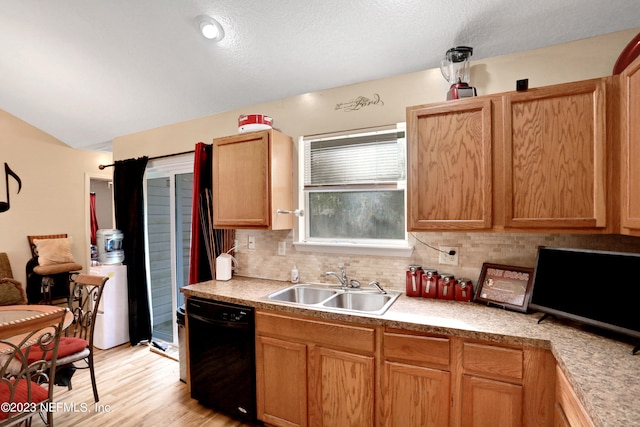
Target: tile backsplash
pixel 517 249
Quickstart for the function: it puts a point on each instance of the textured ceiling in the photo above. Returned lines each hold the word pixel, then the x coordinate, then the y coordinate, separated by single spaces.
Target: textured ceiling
pixel 89 71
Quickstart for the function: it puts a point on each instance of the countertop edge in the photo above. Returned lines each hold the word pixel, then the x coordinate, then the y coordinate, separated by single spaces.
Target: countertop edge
pixel 578 353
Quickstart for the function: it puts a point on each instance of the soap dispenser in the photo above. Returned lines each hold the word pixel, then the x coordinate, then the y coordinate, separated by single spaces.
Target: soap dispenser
pixel 295 278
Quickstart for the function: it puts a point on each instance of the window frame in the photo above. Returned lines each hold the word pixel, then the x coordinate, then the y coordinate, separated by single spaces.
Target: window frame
pixel 389 247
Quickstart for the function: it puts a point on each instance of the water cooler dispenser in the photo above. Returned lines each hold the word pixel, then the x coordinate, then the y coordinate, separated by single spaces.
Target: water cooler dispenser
pixel 112 319
pixel 109 243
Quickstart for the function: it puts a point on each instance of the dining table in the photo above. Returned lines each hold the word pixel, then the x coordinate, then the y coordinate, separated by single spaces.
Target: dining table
pixel 13 317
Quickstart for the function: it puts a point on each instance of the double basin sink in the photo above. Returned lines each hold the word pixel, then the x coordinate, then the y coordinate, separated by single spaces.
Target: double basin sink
pixel 339 299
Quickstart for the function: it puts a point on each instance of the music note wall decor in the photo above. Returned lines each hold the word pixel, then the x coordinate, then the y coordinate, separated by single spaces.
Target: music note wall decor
pixel 4 206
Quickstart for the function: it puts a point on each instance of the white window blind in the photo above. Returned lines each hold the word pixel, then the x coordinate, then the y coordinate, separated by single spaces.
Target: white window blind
pixel 368 158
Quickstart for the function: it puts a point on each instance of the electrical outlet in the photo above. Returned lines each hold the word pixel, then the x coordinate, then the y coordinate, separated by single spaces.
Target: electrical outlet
pixel 282 248
pixel 251 243
pixel 445 258
pixel 236 246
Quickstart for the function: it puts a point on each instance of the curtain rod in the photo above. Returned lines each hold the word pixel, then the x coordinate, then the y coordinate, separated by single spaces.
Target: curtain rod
pixel 101 167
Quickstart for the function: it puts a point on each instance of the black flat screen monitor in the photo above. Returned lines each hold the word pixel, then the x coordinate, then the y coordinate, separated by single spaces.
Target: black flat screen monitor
pixel 597 288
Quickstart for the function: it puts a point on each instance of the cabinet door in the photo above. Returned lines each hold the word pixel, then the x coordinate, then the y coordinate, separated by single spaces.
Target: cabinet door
pixel 342 387
pixel 554 155
pixel 449 166
pixel 415 396
pixel 241 181
pixel 631 146
pixel 281 382
pixel 490 403
pixel 560 419
pixel 569 410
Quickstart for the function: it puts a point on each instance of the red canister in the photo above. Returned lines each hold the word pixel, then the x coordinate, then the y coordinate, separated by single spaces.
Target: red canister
pixel 414 276
pixel 429 288
pixel 254 122
pixel 463 290
pixel 446 284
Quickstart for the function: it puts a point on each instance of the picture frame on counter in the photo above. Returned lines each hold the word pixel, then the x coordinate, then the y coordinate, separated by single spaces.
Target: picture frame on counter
pixel 505 286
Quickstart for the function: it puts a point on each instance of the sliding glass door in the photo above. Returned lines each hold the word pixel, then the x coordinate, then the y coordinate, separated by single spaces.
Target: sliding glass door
pixel 169 185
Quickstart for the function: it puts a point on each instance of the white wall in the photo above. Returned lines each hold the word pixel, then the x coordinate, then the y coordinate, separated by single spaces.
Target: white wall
pixel 316 112
pixel 52 199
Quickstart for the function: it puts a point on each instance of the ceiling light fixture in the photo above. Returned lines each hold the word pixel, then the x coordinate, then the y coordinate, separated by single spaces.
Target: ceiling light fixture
pixel 209 28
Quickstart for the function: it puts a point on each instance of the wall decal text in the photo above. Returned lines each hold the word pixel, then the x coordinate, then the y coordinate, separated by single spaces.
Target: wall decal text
pixel 359 103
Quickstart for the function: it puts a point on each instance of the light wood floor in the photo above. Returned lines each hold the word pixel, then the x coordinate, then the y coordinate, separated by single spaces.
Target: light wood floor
pixel 137 388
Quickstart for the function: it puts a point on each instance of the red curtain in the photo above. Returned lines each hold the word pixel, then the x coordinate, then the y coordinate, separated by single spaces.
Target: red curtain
pixel 94 218
pixel 199 268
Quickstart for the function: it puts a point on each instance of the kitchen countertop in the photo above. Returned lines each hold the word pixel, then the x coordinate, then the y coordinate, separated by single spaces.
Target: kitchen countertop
pixel 602 371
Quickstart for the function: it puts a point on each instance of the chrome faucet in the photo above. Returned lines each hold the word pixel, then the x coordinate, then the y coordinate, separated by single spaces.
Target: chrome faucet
pixel 376 285
pixel 342 277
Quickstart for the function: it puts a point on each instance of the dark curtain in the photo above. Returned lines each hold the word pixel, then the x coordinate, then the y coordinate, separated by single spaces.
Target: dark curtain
pixel 199 267
pixel 129 208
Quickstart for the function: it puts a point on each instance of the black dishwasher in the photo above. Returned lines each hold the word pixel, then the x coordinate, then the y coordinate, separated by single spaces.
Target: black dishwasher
pixel 222 357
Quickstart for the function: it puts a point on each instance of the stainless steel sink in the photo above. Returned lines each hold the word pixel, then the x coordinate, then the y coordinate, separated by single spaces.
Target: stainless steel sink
pixel 369 302
pixel 303 294
pixel 336 299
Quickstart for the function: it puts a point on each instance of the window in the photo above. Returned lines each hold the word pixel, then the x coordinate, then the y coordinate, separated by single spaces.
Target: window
pixel 354 189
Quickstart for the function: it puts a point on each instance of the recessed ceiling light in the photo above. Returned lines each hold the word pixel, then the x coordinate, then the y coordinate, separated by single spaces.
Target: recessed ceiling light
pixel 209 28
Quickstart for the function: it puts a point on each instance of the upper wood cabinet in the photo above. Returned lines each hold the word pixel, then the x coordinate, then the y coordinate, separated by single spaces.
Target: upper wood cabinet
pixel 630 167
pixel 555 156
pixel 252 179
pixel 538 160
pixel 449 165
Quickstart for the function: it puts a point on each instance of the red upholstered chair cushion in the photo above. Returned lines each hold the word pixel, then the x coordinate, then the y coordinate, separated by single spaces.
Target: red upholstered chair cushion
pixel 38 394
pixel 68 345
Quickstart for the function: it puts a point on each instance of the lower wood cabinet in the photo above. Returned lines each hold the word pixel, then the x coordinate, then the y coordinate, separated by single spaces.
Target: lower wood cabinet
pixel 416 396
pixel 568 411
pixel 490 403
pixel 342 388
pixel 281 380
pixel 316 372
pixel 503 385
pixel 491 386
pixel 416 382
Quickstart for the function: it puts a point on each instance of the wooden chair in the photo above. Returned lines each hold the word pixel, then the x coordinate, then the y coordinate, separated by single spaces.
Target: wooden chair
pixel 48 284
pixel 11 291
pixel 28 355
pixel 86 293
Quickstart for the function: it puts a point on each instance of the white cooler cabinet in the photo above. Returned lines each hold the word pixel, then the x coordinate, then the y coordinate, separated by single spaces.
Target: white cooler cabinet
pixel 112 318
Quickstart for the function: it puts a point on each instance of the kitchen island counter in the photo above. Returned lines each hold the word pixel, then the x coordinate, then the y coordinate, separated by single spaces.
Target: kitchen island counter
pixel 602 371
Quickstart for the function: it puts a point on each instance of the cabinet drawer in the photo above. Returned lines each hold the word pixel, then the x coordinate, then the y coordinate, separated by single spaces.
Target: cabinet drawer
pixel 416 348
pixel 332 335
pixel 492 361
